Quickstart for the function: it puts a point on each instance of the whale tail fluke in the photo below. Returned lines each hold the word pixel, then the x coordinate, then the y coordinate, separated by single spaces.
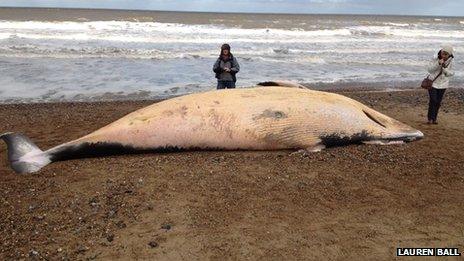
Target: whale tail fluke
pixel 23 154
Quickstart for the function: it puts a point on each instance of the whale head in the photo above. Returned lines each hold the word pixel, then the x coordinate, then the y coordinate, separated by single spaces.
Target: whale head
pixel 389 130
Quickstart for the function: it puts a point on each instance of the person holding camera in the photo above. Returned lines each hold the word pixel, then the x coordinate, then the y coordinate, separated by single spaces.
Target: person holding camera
pixel 226 67
pixel 440 69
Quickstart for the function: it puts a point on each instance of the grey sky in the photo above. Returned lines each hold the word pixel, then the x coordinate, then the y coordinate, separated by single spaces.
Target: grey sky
pixel 399 7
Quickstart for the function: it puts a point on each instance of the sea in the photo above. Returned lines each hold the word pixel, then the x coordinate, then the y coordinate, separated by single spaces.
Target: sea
pixel 50 55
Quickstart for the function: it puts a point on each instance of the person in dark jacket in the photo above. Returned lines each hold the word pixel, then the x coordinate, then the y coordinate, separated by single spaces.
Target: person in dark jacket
pixel 226 67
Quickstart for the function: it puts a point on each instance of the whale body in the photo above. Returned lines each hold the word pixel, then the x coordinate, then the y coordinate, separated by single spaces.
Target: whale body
pixel 261 118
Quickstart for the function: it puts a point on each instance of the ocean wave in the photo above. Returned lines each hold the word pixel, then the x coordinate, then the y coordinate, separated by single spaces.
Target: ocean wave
pixel 143 28
pixel 289 52
pixel 398 24
pixel 154 32
pixel 389 82
pixel 47 51
pixel 164 39
pixel 293 60
pixel 408 33
pixel 78 52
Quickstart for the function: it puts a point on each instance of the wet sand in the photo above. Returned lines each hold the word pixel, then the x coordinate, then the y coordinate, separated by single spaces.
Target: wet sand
pixel 352 202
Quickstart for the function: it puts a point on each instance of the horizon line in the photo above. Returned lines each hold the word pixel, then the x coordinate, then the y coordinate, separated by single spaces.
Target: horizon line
pixel 219 12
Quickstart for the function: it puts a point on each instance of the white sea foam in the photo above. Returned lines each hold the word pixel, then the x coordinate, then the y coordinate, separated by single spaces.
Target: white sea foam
pixel 136 28
pixel 409 33
pixel 171 32
pixel 110 38
pixel 398 24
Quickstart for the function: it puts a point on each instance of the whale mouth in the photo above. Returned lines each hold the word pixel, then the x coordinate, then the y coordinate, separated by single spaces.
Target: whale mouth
pixel 396 139
pixel 416 136
pixel 406 137
pixel 340 139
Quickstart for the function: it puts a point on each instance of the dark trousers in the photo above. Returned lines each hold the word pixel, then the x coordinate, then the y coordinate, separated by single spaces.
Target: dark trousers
pixel 225 85
pixel 435 95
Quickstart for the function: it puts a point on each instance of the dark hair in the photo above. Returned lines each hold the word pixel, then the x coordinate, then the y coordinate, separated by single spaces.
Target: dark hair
pixel 439 55
pixel 225 47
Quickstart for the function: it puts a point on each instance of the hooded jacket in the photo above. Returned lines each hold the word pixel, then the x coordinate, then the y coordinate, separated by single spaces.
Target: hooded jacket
pixel 442 82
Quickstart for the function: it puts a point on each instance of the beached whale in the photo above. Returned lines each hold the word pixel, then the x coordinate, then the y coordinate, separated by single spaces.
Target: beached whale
pixel 261 118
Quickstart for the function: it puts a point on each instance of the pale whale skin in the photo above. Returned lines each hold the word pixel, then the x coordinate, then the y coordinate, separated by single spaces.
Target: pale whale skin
pixel 262 118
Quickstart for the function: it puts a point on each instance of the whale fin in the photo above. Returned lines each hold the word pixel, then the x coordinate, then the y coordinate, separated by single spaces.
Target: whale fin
pixel 23 154
pixel 283 84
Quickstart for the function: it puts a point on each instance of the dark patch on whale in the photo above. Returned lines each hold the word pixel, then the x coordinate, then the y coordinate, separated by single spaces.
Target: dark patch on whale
pixel 268 84
pixel 100 149
pixel 340 139
pixel 272 114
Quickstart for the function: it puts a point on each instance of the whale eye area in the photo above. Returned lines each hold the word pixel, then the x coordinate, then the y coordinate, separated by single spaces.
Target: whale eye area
pixel 373 119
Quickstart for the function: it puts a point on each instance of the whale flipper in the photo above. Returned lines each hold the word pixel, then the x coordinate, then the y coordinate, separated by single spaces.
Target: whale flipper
pixel 23 154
